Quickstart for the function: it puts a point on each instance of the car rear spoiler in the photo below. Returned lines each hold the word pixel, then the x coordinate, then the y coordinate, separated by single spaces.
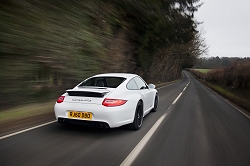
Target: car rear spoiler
pixel 86 93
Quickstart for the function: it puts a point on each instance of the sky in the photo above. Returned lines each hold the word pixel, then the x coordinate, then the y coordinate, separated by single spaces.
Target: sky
pixel 226 24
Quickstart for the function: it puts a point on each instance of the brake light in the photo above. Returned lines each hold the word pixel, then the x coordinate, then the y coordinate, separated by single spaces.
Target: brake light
pixel 60 99
pixel 113 102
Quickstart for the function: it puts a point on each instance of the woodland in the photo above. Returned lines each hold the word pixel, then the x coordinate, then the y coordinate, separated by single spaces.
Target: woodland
pixel 48 46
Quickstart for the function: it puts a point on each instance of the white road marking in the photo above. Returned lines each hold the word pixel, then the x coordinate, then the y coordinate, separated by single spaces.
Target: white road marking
pixel 136 151
pixel 184 88
pixel 22 131
pixel 177 98
pixel 239 110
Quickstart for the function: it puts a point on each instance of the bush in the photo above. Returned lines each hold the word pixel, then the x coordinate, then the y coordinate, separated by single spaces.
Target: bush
pixel 237 76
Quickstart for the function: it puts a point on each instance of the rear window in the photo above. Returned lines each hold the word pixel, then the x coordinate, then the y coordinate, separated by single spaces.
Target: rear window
pixel 109 82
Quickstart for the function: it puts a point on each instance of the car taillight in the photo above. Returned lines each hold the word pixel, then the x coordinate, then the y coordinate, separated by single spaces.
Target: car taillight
pixel 113 102
pixel 60 99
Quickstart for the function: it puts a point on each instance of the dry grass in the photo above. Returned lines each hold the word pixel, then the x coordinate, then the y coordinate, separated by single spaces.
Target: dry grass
pixel 26 111
pixel 203 71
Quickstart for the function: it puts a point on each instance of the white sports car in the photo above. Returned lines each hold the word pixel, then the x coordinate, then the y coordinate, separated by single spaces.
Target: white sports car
pixel 108 101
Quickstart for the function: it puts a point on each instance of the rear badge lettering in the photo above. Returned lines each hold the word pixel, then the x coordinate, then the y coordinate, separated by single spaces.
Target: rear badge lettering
pixel 88 100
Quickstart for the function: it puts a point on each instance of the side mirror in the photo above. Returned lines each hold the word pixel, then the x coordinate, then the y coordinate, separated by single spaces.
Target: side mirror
pixel 151 86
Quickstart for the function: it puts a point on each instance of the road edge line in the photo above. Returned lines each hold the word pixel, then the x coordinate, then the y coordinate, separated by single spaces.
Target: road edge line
pixel 238 108
pixel 25 130
pixel 228 102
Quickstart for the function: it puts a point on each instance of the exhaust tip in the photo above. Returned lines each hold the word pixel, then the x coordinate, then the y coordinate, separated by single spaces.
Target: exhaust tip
pixel 60 120
pixel 102 125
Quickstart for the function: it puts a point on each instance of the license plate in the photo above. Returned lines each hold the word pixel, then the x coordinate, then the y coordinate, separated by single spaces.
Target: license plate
pixel 81 115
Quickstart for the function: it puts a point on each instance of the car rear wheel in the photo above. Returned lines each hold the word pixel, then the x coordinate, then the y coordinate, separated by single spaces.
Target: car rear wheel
pixel 138 118
pixel 155 103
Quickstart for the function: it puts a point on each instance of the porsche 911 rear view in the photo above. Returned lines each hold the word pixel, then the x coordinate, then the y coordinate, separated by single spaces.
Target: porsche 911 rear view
pixel 107 101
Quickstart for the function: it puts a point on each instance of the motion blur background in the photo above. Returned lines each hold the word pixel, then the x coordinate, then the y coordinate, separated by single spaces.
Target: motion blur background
pixel 49 46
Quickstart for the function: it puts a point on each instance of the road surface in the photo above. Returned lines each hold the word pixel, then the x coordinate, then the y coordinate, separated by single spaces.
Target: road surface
pixel 192 126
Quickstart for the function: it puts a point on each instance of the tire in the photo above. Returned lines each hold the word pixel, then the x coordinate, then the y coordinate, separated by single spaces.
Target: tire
pixel 155 103
pixel 138 118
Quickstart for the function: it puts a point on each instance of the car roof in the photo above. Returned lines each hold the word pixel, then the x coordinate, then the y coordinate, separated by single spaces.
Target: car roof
pixel 124 75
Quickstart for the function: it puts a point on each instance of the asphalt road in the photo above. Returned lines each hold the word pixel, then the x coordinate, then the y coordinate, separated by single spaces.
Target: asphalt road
pixel 196 128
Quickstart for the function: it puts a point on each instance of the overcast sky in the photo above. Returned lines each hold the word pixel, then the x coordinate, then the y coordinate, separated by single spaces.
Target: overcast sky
pixel 227 27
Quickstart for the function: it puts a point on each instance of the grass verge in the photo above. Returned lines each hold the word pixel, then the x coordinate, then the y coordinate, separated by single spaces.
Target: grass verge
pixel 221 90
pixel 26 111
pixel 166 83
pixel 203 71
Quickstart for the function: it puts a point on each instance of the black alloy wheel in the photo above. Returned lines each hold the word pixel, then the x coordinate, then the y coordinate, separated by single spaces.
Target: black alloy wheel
pixel 155 103
pixel 138 118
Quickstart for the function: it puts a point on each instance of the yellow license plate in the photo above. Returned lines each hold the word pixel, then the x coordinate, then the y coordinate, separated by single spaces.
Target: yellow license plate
pixel 81 115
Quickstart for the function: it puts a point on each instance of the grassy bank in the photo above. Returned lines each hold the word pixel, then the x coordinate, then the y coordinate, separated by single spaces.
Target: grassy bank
pixel 26 111
pixel 203 71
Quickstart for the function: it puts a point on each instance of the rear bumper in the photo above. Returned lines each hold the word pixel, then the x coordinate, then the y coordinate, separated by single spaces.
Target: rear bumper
pixel 84 122
pixel 110 116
